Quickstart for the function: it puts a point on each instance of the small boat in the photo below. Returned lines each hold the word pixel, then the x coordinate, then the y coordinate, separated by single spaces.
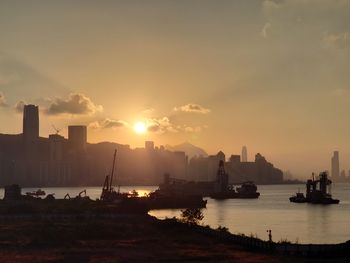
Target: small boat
pixel 38 192
pixel 298 198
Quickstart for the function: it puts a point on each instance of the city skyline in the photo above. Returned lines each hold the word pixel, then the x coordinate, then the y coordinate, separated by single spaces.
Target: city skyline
pixel 31 160
pixel 76 141
pixel 271 75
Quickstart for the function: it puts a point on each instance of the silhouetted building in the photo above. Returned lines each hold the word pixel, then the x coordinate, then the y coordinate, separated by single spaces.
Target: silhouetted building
pixel 260 171
pixel 235 158
pixel 342 176
pixel 56 147
pixel 149 145
pixel 30 123
pixel 244 154
pixel 335 166
pixel 77 136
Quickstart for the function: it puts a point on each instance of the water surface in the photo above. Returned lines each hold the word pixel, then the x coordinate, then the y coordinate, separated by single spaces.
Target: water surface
pixel 304 223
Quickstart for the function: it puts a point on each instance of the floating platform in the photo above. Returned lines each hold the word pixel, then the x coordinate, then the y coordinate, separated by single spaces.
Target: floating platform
pixel 315 194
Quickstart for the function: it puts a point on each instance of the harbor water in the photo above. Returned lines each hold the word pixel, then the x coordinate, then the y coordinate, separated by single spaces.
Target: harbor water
pixel 302 223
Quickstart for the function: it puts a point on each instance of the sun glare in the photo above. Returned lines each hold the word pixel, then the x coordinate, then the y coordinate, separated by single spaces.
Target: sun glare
pixel 140 127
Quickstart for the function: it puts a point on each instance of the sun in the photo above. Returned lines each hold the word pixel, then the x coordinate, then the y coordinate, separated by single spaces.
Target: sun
pixel 140 127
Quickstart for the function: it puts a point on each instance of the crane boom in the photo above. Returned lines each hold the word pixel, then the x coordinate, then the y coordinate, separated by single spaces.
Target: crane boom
pixel 112 174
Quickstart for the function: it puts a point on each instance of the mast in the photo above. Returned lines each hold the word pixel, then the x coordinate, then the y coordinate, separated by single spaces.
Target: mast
pixel 115 155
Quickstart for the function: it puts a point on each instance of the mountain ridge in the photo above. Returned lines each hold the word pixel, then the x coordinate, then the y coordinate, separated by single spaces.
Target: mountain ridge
pixel 190 149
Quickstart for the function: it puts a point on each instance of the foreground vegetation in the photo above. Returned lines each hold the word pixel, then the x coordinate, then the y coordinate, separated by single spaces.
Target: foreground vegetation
pixel 133 238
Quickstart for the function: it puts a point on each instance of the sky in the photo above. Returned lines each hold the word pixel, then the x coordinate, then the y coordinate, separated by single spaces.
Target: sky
pixel 271 75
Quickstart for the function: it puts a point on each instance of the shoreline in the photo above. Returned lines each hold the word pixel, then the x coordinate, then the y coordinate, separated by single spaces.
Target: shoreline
pixel 23 186
pixel 141 238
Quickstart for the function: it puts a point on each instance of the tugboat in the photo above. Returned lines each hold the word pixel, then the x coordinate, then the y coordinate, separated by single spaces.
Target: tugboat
pixel 314 195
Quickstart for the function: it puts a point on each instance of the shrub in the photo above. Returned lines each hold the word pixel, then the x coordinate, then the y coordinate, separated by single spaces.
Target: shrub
pixel 192 216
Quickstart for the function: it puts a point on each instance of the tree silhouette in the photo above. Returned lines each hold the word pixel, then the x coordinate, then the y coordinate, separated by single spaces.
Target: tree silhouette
pixel 192 216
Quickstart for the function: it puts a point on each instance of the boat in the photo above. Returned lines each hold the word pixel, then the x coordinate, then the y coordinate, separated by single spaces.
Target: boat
pixel 248 190
pixel 165 200
pixel 298 198
pixel 218 189
pixel 223 190
pixel 36 193
pixel 158 199
pixel 317 191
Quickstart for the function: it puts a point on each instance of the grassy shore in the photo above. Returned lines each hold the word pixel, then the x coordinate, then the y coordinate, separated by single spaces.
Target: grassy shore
pixel 137 238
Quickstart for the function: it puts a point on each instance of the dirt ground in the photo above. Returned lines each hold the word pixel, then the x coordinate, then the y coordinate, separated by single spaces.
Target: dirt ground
pixel 127 239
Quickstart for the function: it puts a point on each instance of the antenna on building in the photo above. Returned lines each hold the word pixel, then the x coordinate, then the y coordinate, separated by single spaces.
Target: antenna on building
pixel 56 129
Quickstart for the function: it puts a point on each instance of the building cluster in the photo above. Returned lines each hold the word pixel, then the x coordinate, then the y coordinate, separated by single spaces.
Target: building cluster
pixel 336 174
pixel 239 170
pixel 30 160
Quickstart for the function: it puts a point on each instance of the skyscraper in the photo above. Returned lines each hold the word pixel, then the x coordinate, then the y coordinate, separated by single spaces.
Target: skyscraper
pixel 149 145
pixel 77 137
pixel 30 123
pixel 244 154
pixel 335 165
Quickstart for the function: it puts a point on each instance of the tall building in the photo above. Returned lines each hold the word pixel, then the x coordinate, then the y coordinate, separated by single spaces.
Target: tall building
pixel 244 154
pixel 149 145
pixel 59 171
pixel 56 142
pixel 30 123
pixel 77 137
pixel 335 165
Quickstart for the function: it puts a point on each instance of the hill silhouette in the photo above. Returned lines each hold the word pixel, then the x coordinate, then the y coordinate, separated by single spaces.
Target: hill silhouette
pixel 190 149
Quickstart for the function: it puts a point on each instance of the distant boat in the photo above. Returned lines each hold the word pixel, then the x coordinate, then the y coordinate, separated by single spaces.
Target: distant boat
pixel 314 195
pixel 247 190
pixel 38 192
pixel 160 200
pixel 298 198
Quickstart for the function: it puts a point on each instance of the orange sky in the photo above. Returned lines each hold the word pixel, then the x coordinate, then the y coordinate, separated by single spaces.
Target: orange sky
pixel 272 75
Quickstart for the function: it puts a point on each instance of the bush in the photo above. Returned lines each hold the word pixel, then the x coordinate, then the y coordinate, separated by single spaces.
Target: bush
pixel 192 216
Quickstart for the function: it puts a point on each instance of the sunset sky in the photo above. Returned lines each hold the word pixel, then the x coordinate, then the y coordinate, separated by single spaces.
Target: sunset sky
pixel 271 75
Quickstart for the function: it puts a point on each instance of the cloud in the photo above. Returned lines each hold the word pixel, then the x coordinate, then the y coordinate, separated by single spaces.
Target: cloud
pixel 76 103
pixel 164 125
pixel 340 40
pixel 191 107
pixel 19 106
pixel 108 124
pixel 265 29
pixel 2 100
pixel 148 111
pixel 161 125
pixel 193 129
